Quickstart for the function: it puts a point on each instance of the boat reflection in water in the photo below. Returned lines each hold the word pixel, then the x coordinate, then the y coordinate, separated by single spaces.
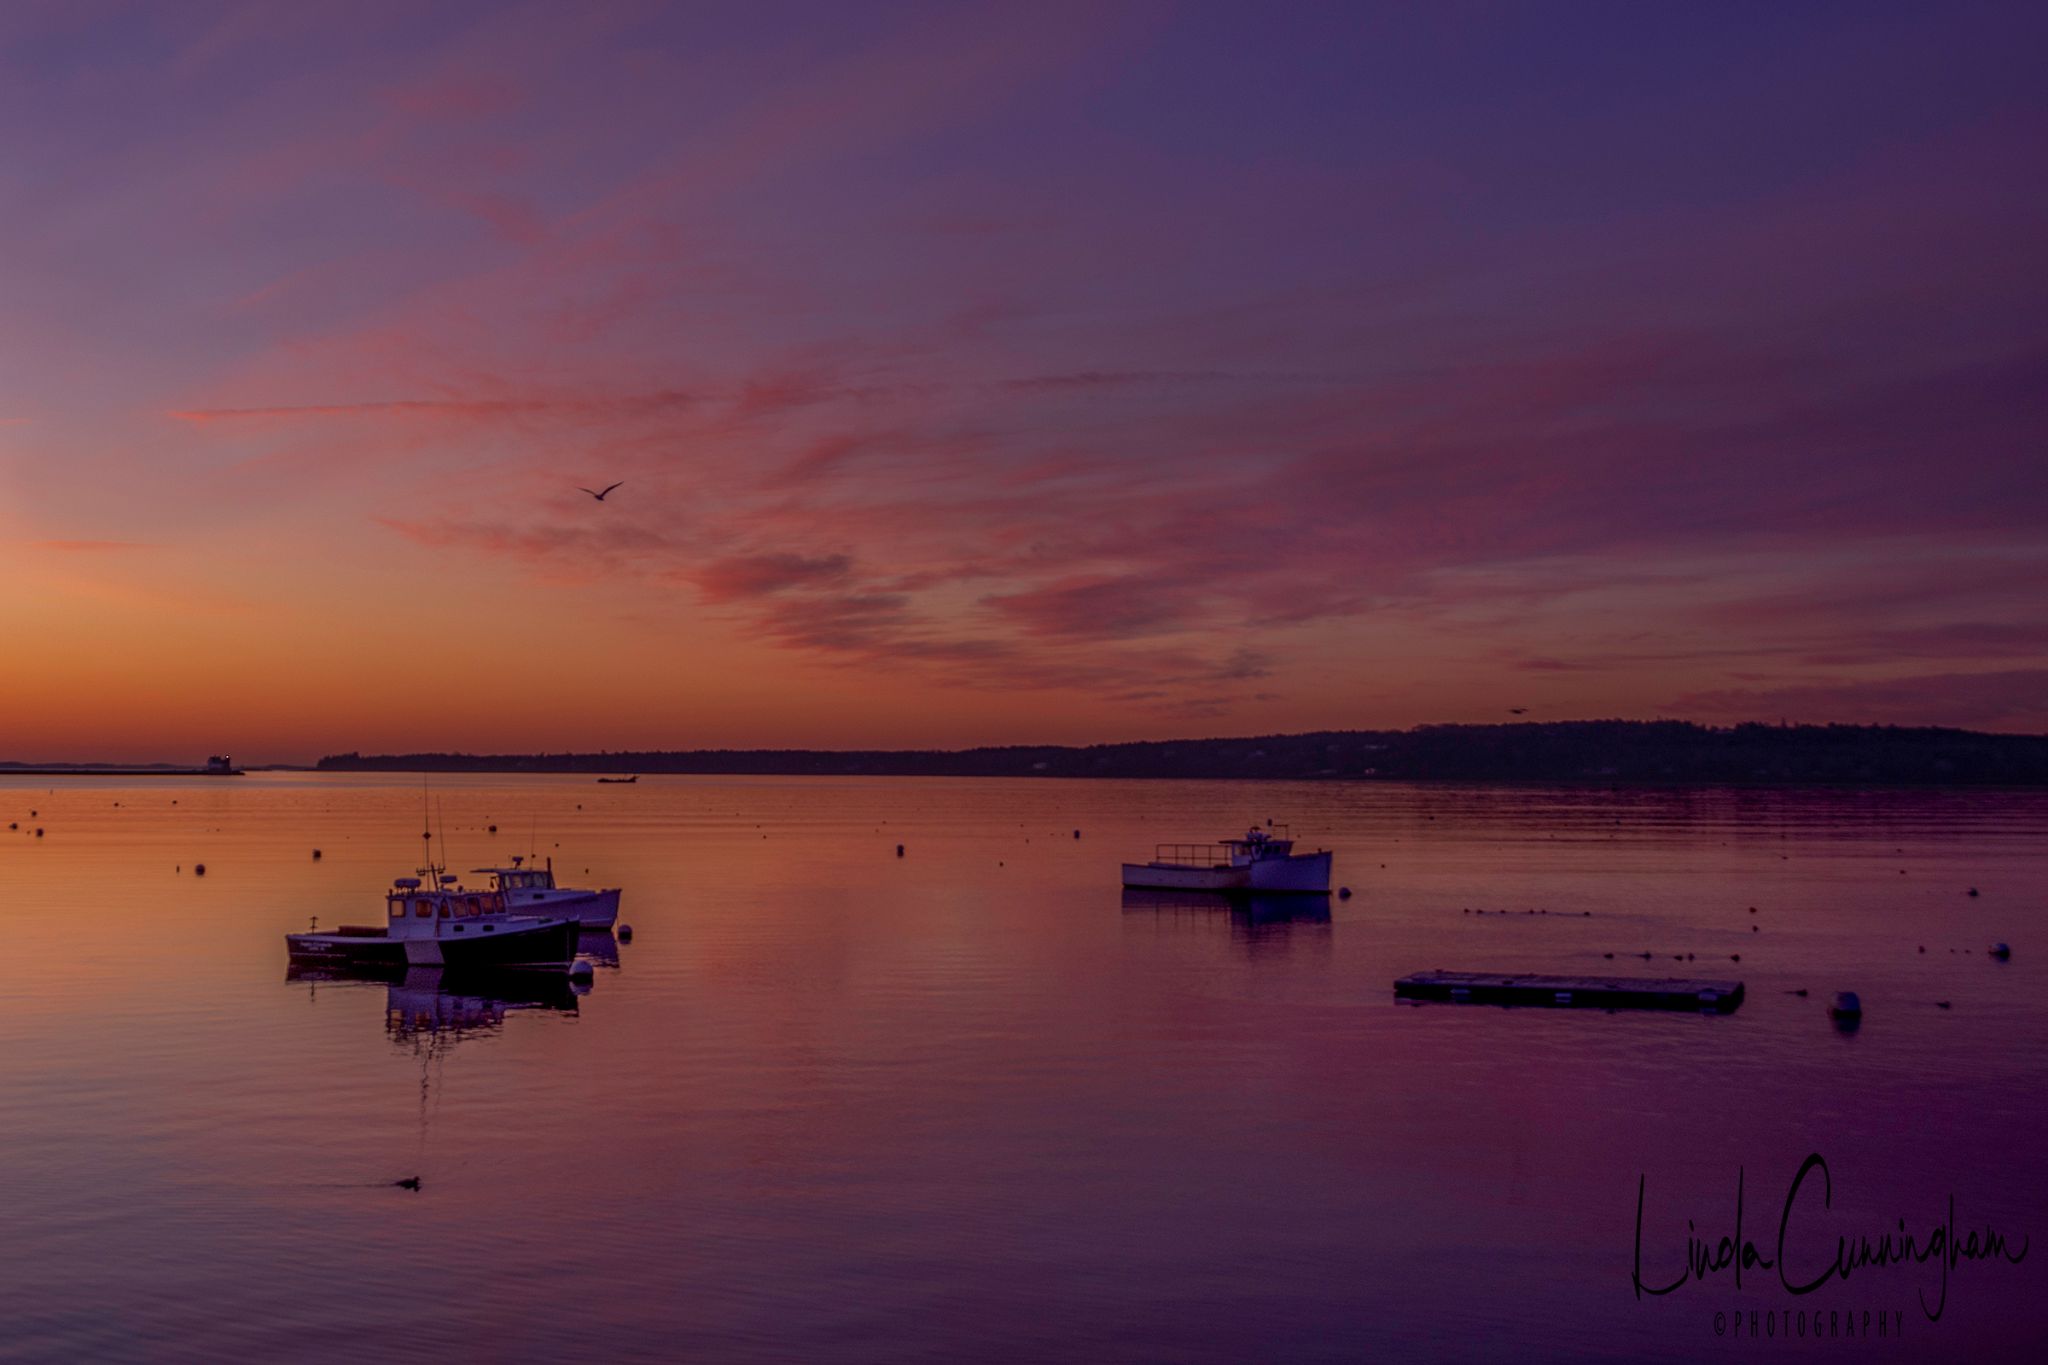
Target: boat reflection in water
pixel 600 946
pixel 436 1005
pixel 1259 923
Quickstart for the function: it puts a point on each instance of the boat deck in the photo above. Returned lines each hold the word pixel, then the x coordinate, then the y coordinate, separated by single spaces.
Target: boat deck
pixel 1598 992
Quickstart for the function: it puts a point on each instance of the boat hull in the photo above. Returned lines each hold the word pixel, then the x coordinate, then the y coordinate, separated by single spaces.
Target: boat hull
pixel 597 910
pixel 1306 874
pixel 591 909
pixel 521 943
pixel 1184 877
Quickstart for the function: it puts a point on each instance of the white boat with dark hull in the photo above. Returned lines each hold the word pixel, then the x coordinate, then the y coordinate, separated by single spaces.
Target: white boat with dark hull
pixel 442 925
pixel 532 891
pixel 1261 861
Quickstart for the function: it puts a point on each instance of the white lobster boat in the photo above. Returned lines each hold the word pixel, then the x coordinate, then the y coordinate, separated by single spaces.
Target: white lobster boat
pixel 532 891
pixel 1262 860
pixel 442 925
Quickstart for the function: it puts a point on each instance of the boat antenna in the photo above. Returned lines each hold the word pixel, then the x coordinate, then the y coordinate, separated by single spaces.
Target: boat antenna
pixel 441 818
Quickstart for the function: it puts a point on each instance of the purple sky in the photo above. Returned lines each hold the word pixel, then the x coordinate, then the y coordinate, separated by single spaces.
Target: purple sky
pixel 1017 372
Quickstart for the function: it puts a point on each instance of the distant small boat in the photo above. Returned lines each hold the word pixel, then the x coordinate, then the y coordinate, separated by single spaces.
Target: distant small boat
pixel 532 891
pixel 1260 861
pixel 442 925
pixel 621 780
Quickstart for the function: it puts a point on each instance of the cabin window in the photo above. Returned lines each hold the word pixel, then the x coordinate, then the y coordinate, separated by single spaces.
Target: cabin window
pixel 397 909
pixel 469 907
pixel 422 910
pixel 446 909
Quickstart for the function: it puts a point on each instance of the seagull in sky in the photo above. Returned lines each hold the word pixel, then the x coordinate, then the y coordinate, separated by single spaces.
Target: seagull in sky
pixel 595 494
pixel 1512 710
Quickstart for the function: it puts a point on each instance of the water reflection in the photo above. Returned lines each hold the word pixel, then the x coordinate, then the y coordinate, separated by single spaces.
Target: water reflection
pixel 432 1005
pixel 599 946
pixel 1260 924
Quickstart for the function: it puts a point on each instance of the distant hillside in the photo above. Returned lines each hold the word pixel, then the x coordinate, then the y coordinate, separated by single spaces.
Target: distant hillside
pixel 1571 751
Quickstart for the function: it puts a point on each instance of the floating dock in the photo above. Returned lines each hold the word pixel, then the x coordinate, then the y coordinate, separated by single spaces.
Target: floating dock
pixel 1594 992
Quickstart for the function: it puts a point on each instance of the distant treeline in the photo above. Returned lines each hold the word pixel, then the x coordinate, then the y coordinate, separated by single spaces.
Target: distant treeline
pixel 1613 751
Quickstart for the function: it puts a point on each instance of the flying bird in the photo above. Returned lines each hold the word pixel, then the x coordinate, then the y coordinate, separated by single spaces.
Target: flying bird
pixel 1512 710
pixel 595 494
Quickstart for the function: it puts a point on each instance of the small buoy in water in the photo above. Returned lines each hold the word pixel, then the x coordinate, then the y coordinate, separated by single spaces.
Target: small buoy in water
pixel 493 829
pixel 1752 909
pixel 1941 1004
pixel 199 869
pixel 2000 951
pixel 1077 834
pixel 581 970
pixel 39 831
pixel 1847 1006
pixel 899 850
pixel 411 1182
pixel 1801 992
pixel 1735 957
pixel 625 933
pixel 316 855
pixel 1923 947
pixel 1972 891
pixel 1343 893
pixel 1608 956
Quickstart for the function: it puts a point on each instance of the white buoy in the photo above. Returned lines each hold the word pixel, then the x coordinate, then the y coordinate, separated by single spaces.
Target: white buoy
pixel 625 933
pixel 581 970
pixel 1343 893
pixel 1847 1006
pixel 2001 951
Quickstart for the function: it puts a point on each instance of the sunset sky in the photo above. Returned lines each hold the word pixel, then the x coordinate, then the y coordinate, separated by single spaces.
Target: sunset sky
pixel 1022 372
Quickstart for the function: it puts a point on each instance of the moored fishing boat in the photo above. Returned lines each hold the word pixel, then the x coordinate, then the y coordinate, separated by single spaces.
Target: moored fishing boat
pixel 1261 860
pixel 532 891
pixel 442 924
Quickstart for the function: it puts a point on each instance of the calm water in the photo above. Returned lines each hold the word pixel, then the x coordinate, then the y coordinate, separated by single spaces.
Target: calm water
pixel 832 1105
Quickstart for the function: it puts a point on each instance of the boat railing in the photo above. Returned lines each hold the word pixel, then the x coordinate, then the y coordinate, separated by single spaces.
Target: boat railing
pixel 1215 855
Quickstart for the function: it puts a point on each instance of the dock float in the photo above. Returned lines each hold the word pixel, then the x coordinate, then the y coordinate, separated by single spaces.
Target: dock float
pixel 1594 992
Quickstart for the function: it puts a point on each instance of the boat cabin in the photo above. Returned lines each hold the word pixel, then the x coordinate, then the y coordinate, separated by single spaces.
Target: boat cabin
pixel 416 910
pixel 507 880
pixel 1257 844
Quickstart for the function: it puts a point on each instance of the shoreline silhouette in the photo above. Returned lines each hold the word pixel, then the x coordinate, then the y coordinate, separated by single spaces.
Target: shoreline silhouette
pixel 1597 752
